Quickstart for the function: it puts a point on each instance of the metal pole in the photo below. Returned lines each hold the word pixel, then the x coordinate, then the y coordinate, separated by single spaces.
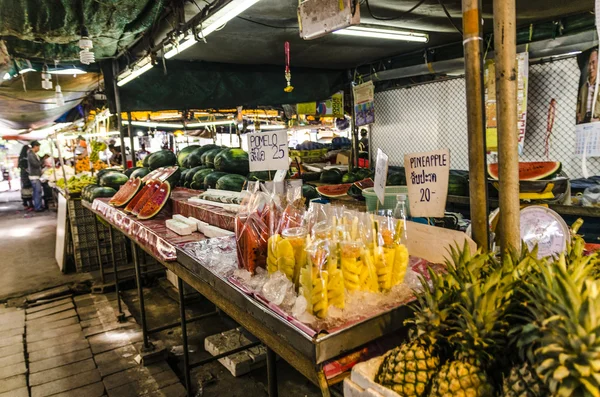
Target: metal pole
pixel 98 251
pixel 138 279
pixel 131 140
pixel 62 165
pixel 121 315
pixel 473 51
pixel 186 358
pixel 118 110
pixel 505 50
pixel 272 373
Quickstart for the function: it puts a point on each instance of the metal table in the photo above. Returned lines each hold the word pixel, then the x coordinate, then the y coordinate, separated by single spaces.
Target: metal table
pixel 305 353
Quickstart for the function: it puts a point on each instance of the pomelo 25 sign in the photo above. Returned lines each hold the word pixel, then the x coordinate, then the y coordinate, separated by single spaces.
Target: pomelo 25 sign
pixel 427 181
pixel 268 151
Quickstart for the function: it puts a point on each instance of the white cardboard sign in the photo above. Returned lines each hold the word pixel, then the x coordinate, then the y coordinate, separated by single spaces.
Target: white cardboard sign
pixel 268 151
pixel 381 171
pixel 427 181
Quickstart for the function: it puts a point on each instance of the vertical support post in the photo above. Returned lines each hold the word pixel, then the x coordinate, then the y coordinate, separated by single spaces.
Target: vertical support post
pixel 186 355
pixel 100 264
pixel 121 315
pixel 472 44
pixel 506 103
pixel 272 373
pixel 131 139
pixel 138 279
pixel 115 67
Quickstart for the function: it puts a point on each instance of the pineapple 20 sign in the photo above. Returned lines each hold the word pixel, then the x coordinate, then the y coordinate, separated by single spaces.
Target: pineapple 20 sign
pixel 268 151
pixel 427 181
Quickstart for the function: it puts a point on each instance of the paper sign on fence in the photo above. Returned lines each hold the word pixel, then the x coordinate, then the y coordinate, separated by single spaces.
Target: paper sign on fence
pixel 268 151
pixel 427 181
pixel 381 170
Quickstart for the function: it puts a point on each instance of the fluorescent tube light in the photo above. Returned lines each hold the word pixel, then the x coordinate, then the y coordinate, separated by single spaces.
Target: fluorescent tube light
pixel 387 34
pixel 266 127
pixel 138 69
pixel 212 23
pixel 6 76
pixel 208 123
pixel 151 124
pixel 26 70
pixel 67 71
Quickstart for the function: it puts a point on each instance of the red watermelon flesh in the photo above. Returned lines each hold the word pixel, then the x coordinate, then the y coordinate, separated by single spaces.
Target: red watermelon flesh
pixel 152 175
pixel 126 192
pixel 131 205
pixel 156 202
pixel 333 191
pixel 152 188
pixel 365 183
pixel 530 171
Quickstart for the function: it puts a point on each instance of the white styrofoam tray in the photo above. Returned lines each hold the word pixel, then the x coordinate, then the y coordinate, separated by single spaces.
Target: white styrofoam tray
pixel 361 382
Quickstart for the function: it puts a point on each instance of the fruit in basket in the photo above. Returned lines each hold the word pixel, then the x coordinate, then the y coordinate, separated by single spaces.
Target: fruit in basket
pixel 139 172
pixel 210 180
pixel 136 205
pixel 531 171
pixel 231 182
pixel 126 193
pixel 232 160
pixel 158 200
pixel 334 191
pixel 332 176
pixel 162 158
pixel 113 179
pixel 209 157
pixel 198 179
pixel 183 154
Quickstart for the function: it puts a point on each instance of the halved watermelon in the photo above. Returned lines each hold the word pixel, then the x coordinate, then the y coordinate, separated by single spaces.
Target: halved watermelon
pixel 131 205
pixel 156 202
pixel 333 191
pixel 126 192
pixel 153 187
pixel 364 183
pixel 531 171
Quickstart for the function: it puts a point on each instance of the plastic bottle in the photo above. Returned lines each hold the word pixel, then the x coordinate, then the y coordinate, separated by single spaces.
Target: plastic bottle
pixel 400 214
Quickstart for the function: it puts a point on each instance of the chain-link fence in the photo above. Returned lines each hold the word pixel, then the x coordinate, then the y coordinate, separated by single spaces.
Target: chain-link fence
pixel 434 115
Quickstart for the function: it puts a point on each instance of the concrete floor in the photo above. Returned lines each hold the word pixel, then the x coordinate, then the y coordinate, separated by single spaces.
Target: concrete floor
pixel 27 242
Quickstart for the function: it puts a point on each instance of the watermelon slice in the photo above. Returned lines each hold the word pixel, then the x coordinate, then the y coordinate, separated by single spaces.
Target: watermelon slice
pixel 334 191
pixel 531 171
pixel 131 205
pixel 153 187
pixel 126 192
pixel 152 175
pixel 364 183
pixel 156 202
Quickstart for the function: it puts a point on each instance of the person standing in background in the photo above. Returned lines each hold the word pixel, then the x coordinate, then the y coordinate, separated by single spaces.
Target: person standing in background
pixel 587 90
pixel 26 187
pixel 35 172
pixel 142 153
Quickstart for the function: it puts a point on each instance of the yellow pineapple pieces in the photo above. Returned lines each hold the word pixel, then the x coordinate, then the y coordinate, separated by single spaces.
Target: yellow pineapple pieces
pixel 351 272
pixel 306 286
pixel 335 289
pixel 385 266
pixel 400 264
pixel 273 254
pixel 371 283
pixel 320 305
pixel 286 262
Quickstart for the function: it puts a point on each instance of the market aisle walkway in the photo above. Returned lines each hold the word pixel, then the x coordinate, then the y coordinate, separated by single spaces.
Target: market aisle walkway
pixel 72 347
pixel 27 261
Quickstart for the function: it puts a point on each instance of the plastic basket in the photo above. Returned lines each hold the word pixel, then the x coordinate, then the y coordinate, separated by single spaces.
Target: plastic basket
pixel 389 202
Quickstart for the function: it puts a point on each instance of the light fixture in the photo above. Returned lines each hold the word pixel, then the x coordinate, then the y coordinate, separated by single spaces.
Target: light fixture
pixel 136 70
pixel 212 23
pixel 151 124
pixel 60 99
pixel 140 133
pixel 383 33
pixel 6 76
pixel 73 71
pixel 265 127
pixel 85 43
pixel 46 78
pixel 209 123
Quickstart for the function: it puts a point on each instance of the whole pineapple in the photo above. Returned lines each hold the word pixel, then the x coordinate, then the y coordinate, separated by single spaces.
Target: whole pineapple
pixel 409 368
pixel 479 331
pixel 523 381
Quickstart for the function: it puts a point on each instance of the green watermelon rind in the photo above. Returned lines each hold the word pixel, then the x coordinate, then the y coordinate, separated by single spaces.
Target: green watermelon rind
pixel 210 180
pixel 233 161
pixel 231 182
pixel 196 155
pixel 209 157
pixel 183 154
pixel 551 169
pixel 330 177
pixel 156 196
pixel 113 179
pixel 101 192
pixel 139 172
pixel 162 158
pixel 199 176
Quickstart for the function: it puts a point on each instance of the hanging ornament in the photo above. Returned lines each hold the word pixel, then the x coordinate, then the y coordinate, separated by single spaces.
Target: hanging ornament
pixel 288 73
pixel 60 99
pixel 46 78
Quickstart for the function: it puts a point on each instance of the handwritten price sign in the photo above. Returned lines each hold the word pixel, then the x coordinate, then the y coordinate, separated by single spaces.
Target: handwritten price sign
pixel 268 151
pixel 427 181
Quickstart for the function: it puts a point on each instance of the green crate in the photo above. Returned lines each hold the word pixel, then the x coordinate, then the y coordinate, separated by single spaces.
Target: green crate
pixel 390 198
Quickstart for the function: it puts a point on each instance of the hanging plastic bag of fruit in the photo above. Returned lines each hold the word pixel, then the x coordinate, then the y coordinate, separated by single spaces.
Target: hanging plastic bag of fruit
pixel 390 254
pixel 252 232
pixel 314 279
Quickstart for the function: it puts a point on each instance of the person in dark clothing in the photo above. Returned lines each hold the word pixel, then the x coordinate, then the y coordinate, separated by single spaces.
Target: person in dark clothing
pixel 116 158
pixel 35 172
pixel 363 144
pixel 26 187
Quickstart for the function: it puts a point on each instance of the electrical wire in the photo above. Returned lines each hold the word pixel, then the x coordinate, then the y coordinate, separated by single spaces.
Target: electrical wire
pixel 267 25
pixel 37 102
pixel 392 18
pixel 450 18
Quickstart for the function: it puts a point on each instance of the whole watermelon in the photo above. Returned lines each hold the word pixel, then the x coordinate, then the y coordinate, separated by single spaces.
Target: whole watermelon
pixel 113 179
pixel 396 179
pixel 231 182
pixel 233 160
pixel 350 177
pixel 129 171
pixel 261 176
pixel 183 154
pixel 100 191
pixel 210 181
pixel 173 180
pixel 145 160
pixel 209 157
pixel 194 158
pixel 331 177
pixel 189 176
pixel 309 192
pixel 140 173
pixel 184 172
pixel 363 173
pixel 162 158
pixel 198 179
